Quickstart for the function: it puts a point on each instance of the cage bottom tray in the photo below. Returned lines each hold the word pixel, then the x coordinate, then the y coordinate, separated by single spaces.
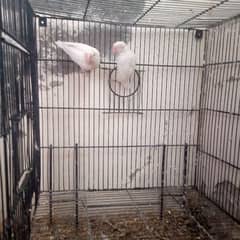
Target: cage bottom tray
pixel 175 225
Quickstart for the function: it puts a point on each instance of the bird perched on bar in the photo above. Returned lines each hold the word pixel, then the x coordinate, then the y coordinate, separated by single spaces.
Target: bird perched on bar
pixel 126 63
pixel 87 57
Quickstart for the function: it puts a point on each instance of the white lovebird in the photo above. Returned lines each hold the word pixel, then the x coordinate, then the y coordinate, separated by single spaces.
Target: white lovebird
pixel 126 62
pixel 87 57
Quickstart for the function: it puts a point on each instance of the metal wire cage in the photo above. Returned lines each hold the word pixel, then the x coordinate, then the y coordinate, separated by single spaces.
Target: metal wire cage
pixel 80 138
pixel 118 136
pixel 93 139
pixel 18 130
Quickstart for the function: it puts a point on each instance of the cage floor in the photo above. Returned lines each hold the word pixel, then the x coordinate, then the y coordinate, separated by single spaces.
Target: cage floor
pixel 132 214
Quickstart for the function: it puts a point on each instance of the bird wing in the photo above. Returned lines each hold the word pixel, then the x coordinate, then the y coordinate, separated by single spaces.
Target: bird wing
pixel 80 53
pixel 77 46
pixel 126 64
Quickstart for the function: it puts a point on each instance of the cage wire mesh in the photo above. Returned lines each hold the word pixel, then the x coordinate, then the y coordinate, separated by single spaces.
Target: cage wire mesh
pixel 170 13
pixel 219 132
pixel 119 137
pixel 174 132
pixel 96 137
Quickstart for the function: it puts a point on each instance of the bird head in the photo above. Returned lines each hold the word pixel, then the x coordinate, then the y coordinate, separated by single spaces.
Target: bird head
pixel 118 47
pixel 93 58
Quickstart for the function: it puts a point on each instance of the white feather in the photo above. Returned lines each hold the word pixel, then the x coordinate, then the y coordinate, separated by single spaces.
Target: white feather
pixel 78 52
pixel 126 63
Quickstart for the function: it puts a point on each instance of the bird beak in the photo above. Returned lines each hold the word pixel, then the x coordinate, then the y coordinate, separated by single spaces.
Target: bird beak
pixel 113 50
pixel 88 58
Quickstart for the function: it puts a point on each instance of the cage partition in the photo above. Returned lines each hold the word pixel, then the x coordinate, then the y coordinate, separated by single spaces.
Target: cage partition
pixel 18 130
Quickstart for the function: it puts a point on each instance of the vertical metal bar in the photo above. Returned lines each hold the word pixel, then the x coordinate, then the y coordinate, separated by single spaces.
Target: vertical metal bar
pixel 95 161
pixel 173 84
pixel 118 127
pixel 89 119
pixel 185 169
pixel 144 127
pixel 158 102
pixel 85 133
pixel 35 108
pixel 229 119
pixel 68 109
pixel 15 152
pixel 201 111
pixel 181 43
pixel 126 131
pixel 139 133
pixel 197 95
pixel 108 123
pixel 162 181
pixel 50 182
pixel 2 197
pixel 236 152
pixel 57 104
pixel 103 35
pixel 153 124
pixel 78 101
pixel 63 104
pixel 76 185
pixel 4 127
pixel 99 119
pixel 222 100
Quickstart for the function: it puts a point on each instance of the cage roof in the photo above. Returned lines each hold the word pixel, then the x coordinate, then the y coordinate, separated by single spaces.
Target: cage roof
pixel 171 13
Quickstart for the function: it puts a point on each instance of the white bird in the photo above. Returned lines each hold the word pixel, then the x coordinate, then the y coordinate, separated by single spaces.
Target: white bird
pixel 126 62
pixel 87 57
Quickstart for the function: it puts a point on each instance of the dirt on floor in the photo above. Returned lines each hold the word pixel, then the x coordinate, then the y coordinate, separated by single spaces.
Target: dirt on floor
pixel 175 225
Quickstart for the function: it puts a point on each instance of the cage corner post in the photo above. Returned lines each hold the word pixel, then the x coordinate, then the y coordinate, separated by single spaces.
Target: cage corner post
pixel 7 221
pixel 35 104
pixel 201 110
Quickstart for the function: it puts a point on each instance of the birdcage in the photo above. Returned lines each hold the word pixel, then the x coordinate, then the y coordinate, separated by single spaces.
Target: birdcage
pixel 84 157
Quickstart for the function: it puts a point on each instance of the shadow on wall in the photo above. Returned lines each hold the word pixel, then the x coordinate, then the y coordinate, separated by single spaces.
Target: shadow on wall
pixel 98 35
pixel 228 196
pixel 123 11
pixel 101 37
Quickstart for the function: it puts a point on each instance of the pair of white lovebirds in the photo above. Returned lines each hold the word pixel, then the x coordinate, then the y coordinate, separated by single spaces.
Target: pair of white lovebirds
pixel 88 58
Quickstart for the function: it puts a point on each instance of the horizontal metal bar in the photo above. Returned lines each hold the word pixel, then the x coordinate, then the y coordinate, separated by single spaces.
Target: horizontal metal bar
pixel 138 64
pixel 221 208
pixel 203 12
pixel 120 109
pixel 147 11
pixel 220 111
pixel 124 112
pixel 156 189
pixel 222 63
pixel 225 21
pixel 119 146
pixel 219 159
pixel 55 16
